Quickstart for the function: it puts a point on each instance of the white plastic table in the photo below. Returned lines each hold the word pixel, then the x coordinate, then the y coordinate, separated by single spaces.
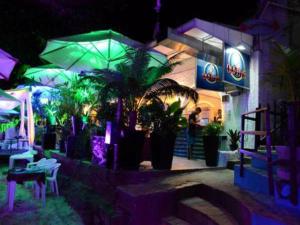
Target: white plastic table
pixel 40 190
pixel 225 156
pixel 26 155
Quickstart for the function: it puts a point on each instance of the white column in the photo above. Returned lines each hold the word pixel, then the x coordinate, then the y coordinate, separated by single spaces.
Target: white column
pixel 30 119
pixel 22 131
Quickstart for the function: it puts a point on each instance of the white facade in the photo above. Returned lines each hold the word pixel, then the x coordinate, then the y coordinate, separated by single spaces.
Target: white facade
pixel 199 36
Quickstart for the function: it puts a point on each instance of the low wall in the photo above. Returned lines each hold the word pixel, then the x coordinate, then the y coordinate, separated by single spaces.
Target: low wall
pixel 106 183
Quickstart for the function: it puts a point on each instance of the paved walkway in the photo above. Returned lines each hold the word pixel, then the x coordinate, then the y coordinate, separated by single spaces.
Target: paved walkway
pixel 220 179
pixel 180 163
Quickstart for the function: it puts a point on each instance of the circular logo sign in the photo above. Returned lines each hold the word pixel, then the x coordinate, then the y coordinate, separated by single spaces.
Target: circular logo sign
pixel 236 65
pixel 211 73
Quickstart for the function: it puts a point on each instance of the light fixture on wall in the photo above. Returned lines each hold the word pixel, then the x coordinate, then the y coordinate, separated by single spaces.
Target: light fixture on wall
pixel 242 45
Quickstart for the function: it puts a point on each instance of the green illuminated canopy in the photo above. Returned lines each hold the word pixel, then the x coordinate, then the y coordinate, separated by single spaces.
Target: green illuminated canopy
pixel 85 52
pixel 6 97
pixel 50 75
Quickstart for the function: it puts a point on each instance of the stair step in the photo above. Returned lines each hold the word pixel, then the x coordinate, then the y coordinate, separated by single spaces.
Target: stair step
pixel 255 180
pixel 172 220
pixel 180 150
pixel 197 211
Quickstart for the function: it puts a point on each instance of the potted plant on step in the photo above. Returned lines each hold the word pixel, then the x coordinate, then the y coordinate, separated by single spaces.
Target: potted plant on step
pixel 234 136
pixel 211 142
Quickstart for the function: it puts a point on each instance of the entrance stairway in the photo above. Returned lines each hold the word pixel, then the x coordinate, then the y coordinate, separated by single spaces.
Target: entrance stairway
pixel 256 180
pixel 261 175
pixel 181 145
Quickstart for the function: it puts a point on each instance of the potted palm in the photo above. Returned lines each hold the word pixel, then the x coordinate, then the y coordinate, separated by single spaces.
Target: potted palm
pixel 74 101
pixel 211 142
pixel 166 123
pixel 132 85
pixel 234 137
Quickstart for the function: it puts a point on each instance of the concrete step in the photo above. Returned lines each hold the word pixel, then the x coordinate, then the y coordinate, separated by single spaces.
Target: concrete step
pixel 181 154
pixel 172 220
pixel 255 180
pixel 261 164
pixel 197 211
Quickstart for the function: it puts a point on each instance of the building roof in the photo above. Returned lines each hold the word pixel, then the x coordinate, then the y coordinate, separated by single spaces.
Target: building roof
pixel 214 34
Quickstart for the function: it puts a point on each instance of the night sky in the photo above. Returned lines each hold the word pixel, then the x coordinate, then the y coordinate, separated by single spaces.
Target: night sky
pixel 25 25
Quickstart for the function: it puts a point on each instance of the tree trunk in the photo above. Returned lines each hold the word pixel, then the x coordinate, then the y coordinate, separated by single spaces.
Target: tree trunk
pixel 119 111
pixel 132 120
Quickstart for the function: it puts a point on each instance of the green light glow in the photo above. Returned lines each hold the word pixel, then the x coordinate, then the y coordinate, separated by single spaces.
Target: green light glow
pixel 5 126
pixel 50 75
pixel 85 52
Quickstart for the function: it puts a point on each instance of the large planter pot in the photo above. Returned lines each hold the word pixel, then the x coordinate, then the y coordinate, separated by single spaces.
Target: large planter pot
pixel 130 149
pixel 211 145
pixel 77 125
pixel 162 148
pixel 49 141
pixel 77 147
pixel 62 146
pixel 283 153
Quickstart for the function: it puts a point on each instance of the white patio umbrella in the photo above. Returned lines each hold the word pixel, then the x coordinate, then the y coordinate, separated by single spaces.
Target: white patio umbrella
pixel 6 112
pixel 50 75
pixel 7 101
pixel 95 50
pixel 7 97
pixel 7 64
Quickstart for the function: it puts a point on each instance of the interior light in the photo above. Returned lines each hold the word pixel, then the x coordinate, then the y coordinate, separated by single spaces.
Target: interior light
pixel 241 47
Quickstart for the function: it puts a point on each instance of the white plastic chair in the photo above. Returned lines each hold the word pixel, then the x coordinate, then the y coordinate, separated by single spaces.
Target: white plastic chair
pixel 48 165
pixel 43 163
pixel 52 179
pixel 36 164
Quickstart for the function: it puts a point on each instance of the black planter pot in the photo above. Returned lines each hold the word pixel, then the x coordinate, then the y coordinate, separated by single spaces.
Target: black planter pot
pixel 62 146
pixel 162 148
pixel 77 147
pixel 72 146
pixel 130 149
pixel 211 145
pixel 76 125
pixel 49 141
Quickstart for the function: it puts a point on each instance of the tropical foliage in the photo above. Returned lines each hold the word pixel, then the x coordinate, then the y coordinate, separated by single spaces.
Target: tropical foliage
pixel 213 129
pixel 234 136
pixel 135 82
pixel 163 119
pixel 75 99
pixel 285 72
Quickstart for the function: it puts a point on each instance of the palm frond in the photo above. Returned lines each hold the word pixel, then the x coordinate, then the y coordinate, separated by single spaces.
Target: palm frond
pixel 169 87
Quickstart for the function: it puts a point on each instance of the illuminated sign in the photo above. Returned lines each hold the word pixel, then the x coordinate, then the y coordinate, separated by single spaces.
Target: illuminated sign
pixel 209 76
pixel 236 67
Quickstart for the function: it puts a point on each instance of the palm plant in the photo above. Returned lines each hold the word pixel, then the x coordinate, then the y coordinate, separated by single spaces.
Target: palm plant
pixel 165 120
pixel 234 136
pixel 135 82
pixel 285 72
pixel 75 97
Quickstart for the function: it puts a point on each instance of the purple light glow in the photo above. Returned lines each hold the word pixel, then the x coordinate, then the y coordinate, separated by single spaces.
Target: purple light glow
pixel 7 63
pixel 99 150
pixel 108 132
